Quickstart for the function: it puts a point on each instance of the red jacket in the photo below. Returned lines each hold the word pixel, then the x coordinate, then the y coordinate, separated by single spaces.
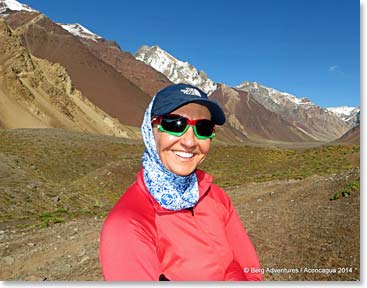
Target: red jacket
pixel 140 240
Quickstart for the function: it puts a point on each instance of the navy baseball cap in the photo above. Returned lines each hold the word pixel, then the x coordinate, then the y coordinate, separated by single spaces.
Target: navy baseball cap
pixel 174 96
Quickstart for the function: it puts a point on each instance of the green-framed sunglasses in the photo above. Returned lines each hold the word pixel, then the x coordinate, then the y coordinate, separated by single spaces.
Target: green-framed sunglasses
pixel 177 125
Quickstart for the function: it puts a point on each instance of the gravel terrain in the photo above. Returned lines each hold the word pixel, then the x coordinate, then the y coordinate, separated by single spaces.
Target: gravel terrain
pixel 299 234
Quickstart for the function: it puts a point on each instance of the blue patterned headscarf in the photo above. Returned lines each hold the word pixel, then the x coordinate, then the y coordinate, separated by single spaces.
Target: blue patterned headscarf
pixel 171 191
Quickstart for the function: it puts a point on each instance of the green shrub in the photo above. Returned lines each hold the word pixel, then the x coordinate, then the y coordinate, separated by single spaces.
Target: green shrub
pixel 347 190
pixel 49 218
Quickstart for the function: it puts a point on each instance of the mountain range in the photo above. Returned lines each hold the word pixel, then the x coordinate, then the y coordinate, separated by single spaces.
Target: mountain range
pixel 65 76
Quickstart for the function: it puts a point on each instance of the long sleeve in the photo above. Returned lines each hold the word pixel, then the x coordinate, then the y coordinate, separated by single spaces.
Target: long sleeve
pixel 246 265
pixel 127 251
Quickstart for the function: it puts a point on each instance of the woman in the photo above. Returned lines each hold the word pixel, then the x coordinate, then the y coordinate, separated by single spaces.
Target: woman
pixel 172 223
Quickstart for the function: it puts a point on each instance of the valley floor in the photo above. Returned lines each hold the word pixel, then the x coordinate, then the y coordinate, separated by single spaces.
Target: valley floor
pixel 299 234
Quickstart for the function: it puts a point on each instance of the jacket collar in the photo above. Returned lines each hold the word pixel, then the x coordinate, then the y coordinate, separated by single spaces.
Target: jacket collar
pixel 204 182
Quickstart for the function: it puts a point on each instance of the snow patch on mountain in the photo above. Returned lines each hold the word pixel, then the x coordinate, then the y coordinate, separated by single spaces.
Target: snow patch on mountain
pixel 175 70
pixel 273 99
pixel 343 110
pixel 13 5
pixel 346 113
pixel 276 96
pixel 78 30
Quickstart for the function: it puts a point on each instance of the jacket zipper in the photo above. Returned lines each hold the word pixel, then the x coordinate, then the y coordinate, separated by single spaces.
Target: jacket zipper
pixel 191 209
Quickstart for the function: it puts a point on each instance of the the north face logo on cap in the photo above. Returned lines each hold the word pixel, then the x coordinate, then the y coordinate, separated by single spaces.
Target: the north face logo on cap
pixel 191 91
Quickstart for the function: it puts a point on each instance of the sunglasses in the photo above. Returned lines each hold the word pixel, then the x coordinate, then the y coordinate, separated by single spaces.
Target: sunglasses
pixel 177 125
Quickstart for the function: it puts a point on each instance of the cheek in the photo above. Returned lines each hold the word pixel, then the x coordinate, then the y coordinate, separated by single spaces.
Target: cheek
pixel 163 141
pixel 158 141
pixel 204 148
pixel 156 137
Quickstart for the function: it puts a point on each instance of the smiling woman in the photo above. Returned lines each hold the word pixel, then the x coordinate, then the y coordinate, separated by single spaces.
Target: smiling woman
pixel 181 155
pixel 173 223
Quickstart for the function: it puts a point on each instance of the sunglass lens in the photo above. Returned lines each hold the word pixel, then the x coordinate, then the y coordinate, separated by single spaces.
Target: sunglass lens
pixel 174 123
pixel 205 127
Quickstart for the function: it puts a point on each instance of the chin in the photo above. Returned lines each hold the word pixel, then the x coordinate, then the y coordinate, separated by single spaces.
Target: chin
pixel 183 172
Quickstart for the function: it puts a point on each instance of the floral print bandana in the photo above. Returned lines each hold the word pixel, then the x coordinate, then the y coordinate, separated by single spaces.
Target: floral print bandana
pixel 171 191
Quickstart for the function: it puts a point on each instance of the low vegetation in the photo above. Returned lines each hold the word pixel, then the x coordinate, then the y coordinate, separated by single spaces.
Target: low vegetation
pixel 349 189
pixel 51 175
pixel 238 165
pixel 283 197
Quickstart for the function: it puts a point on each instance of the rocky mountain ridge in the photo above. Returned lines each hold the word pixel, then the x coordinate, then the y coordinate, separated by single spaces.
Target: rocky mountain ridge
pixel 121 85
pixel 176 71
pixel 97 80
pixel 252 119
pixel 141 75
pixel 167 64
pixel 39 94
pixel 80 31
pixel 7 6
pixel 349 114
pixel 315 121
pixel 318 123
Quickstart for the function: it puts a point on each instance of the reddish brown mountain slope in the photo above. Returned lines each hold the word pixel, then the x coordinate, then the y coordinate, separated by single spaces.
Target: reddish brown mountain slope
pixel 97 80
pixel 35 93
pixel 252 119
pixel 352 136
pixel 142 75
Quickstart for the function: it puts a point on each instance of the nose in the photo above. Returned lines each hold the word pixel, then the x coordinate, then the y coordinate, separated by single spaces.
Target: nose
pixel 188 140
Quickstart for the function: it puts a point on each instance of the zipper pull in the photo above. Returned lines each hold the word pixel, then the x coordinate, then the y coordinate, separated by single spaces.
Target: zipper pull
pixel 191 209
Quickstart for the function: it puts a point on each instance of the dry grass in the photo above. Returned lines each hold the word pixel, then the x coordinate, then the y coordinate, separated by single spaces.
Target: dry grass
pixel 42 170
pixel 66 181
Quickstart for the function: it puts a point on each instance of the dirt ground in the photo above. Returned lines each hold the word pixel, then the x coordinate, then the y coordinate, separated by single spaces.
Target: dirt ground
pixel 299 234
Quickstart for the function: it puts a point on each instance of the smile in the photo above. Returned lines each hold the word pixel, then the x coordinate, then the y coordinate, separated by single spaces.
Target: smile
pixel 183 154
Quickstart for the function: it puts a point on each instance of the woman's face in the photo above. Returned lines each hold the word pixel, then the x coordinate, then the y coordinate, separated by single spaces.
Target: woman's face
pixel 182 155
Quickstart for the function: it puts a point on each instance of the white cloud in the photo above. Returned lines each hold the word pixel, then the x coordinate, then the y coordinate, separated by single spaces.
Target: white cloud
pixel 336 69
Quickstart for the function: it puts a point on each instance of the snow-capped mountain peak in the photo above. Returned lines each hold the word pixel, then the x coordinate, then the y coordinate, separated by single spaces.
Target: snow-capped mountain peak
pixel 80 31
pixel 13 5
pixel 343 110
pixel 175 70
pixel 307 116
pixel 272 98
pixel 346 113
pixel 274 95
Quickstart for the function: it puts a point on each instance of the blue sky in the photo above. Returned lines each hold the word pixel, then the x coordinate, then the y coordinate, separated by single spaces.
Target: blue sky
pixel 309 48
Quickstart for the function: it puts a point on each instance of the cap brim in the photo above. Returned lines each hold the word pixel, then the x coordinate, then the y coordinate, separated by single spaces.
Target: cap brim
pixel 215 110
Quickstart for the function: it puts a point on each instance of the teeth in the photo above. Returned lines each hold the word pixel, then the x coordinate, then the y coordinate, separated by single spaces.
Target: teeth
pixel 183 154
